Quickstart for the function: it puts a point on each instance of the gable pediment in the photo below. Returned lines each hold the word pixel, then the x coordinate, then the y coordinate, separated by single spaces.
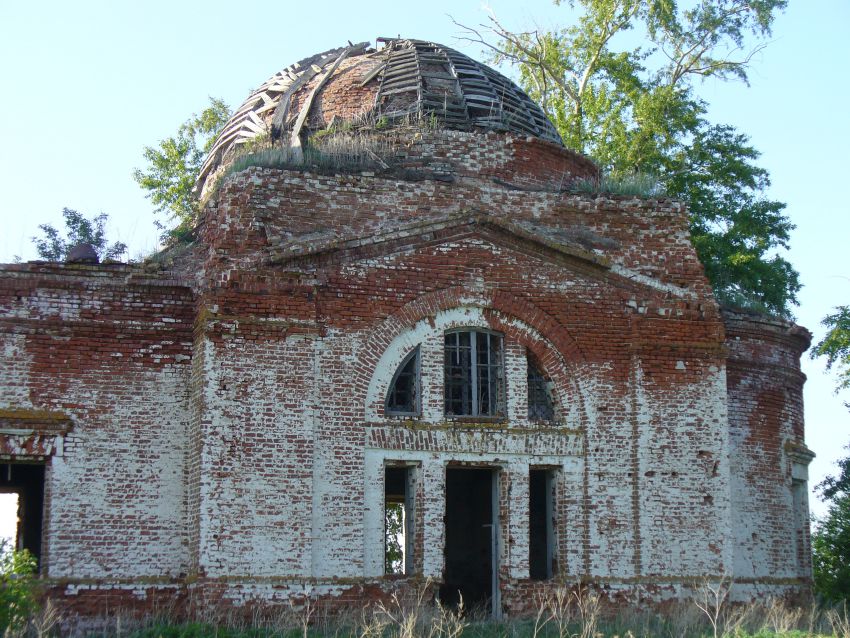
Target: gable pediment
pixel 579 244
pixel 579 249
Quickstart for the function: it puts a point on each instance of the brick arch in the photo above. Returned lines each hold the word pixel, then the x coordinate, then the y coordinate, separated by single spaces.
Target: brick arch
pixel 548 340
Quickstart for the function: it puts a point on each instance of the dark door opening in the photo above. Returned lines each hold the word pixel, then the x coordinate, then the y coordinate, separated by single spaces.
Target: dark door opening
pixel 470 539
pixel 27 481
pixel 541 561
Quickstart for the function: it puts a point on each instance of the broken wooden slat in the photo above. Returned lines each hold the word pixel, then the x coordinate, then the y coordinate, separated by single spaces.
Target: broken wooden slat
pixel 439 76
pixel 408 69
pixel 407 89
pixel 282 111
pixel 294 138
pixel 371 75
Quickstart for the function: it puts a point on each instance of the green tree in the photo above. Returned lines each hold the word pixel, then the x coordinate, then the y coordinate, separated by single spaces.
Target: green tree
pixel 832 487
pixel 17 588
pixel 831 538
pixel 835 346
pixel 173 167
pixel 831 552
pixel 51 246
pixel 635 110
pixel 393 537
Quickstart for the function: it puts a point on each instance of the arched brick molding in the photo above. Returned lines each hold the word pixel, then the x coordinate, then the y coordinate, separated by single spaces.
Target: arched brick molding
pixel 522 322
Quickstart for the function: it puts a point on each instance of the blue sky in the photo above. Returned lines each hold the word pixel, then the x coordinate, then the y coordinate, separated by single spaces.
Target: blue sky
pixel 86 85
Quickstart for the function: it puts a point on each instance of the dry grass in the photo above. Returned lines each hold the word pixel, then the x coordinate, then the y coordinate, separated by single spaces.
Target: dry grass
pixel 565 609
pixel 563 612
pixel 839 621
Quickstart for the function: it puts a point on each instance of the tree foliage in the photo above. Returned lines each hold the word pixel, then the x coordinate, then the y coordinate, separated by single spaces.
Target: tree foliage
pixel 17 588
pixel 831 552
pixel 831 538
pixel 51 246
pixel 636 110
pixel 174 165
pixel 833 487
pixel 393 537
pixel 835 346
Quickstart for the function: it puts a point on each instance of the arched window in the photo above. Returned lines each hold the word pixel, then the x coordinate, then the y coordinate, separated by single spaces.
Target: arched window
pixel 403 395
pixel 540 406
pixel 474 373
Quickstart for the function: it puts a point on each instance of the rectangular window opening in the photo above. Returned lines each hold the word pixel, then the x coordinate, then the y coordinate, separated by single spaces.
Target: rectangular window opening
pixel 398 520
pixel 474 377
pixel 540 405
pixel 25 483
pixel 541 513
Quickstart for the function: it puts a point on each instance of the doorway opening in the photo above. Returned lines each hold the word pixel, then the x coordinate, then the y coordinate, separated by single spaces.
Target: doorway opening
pixel 26 480
pixel 398 519
pixel 471 540
pixel 541 528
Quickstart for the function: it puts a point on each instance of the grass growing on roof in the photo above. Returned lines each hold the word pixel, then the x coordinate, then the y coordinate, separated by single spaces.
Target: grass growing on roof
pixel 636 184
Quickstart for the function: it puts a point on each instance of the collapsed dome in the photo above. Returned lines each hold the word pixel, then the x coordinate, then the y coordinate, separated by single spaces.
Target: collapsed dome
pixel 405 82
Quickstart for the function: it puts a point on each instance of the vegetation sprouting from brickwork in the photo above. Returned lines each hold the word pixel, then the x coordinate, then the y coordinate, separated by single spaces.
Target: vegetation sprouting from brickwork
pixel 637 184
pixel 53 246
pixel 352 152
pixel 173 166
pixel 348 146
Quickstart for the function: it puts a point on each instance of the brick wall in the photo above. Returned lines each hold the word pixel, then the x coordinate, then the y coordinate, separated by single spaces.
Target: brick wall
pixel 768 453
pixel 109 349
pixel 228 432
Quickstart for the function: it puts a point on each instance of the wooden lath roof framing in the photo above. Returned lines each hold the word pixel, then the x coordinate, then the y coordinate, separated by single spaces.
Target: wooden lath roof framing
pixel 416 79
pixel 456 89
pixel 248 121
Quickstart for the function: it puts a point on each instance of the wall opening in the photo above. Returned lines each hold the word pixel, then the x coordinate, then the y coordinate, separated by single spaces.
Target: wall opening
pixel 541 515
pixel 398 520
pixel 540 404
pixel 474 375
pixel 471 539
pixel 27 481
pixel 403 395
pixel 8 518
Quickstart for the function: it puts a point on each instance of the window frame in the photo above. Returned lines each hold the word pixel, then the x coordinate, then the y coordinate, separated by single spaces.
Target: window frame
pixel 499 406
pixel 538 385
pixel 417 385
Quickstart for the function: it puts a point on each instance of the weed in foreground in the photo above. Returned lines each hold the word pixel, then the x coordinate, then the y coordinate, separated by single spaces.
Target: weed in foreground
pixel 560 613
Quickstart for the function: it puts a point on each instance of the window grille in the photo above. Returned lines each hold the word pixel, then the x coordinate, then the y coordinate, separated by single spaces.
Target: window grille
pixel 474 375
pixel 540 406
pixel 403 395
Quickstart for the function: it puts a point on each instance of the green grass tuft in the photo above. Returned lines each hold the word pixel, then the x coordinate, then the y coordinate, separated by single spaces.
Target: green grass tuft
pixel 635 185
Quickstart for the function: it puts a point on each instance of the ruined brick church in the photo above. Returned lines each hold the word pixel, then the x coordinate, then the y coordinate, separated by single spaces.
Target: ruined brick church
pixel 406 342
